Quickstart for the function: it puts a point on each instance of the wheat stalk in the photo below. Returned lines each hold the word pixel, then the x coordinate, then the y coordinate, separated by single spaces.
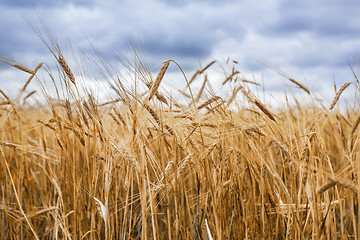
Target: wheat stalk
pixel 233 95
pixel 158 79
pixel 201 89
pixel 32 76
pixel 337 96
pixel 356 124
pixel 338 182
pixel 65 67
pixel 16 65
pixel 206 67
pixel 211 100
pixel 230 77
pixel 299 85
pixel 264 109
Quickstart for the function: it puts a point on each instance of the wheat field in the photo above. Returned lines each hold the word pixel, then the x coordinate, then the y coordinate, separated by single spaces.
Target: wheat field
pixel 145 165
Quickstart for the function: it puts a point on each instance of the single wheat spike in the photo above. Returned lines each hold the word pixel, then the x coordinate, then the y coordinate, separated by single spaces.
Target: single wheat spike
pixel 251 82
pixel 261 106
pixel 184 93
pixel 6 96
pixel 356 124
pixel 280 145
pixel 68 110
pixel 194 76
pixel 29 95
pixel 206 67
pixel 264 109
pixel 47 125
pixel 161 98
pixel 229 78
pixel 159 78
pixel 16 65
pixel 338 182
pixel 152 113
pixel 202 88
pixel 31 77
pixel 345 120
pixel 78 135
pixel 158 95
pixel 326 187
pixel 119 116
pixel 337 96
pixel 211 100
pixel 110 102
pixel 233 96
pixel 114 118
pixel 22 68
pixel 66 68
pixel 299 85
pixel 356 78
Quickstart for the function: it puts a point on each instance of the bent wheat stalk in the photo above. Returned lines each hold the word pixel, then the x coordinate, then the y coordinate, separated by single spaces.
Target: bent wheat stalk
pixel 158 79
pixel 337 96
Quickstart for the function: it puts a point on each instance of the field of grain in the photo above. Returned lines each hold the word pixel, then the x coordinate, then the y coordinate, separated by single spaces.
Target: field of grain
pixel 145 165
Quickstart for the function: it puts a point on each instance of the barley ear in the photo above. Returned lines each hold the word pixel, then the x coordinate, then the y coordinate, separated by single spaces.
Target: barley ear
pixel 337 96
pixel 65 67
pixel 158 79
pixel 356 124
pixel 300 85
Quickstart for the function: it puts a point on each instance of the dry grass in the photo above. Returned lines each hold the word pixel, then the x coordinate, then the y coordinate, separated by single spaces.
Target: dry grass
pixel 139 167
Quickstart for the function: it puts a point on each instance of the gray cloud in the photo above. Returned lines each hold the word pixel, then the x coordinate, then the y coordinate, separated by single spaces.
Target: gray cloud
pixel 308 35
pixel 43 3
pixel 171 48
pixel 321 18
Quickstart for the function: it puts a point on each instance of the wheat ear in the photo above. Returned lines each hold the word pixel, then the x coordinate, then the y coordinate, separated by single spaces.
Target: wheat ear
pixel 337 96
pixel 65 67
pixel 299 85
pixel 158 79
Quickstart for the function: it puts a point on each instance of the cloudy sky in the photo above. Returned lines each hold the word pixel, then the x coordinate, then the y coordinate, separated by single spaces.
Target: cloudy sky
pixel 311 41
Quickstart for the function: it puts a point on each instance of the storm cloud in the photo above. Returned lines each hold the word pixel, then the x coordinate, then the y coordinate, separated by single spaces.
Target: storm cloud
pixel 296 36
